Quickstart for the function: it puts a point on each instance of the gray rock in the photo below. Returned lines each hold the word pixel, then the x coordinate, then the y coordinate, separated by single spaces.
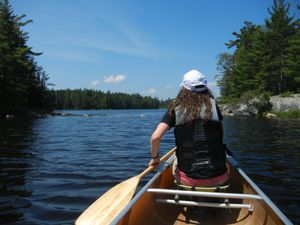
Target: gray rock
pixel 284 104
pixel 238 110
pixel 279 104
pixel 270 115
pixel 8 116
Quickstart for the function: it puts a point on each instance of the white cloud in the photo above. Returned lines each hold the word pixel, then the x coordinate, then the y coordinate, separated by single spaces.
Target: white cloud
pixel 95 83
pixel 114 79
pixel 212 84
pixel 152 91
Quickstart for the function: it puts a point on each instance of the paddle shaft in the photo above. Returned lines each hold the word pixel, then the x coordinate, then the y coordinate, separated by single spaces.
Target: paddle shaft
pixel 162 159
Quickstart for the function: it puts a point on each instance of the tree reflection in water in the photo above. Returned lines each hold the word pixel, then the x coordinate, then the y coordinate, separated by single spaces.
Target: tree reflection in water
pixel 15 140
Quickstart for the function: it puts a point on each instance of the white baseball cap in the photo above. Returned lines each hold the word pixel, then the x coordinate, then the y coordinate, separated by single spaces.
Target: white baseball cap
pixel 193 79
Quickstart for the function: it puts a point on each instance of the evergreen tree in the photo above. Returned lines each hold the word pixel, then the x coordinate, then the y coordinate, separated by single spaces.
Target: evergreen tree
pixel 225 65
pixel 280 32
pixel 22 81
pixel 293 59
pixel 246 63
pixel 266 58
pixel 12 50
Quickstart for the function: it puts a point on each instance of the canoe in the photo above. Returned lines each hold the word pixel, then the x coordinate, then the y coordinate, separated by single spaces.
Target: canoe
pixel 160 201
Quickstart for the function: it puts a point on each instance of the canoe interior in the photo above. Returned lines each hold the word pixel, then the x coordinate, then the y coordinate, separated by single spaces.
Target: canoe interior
pixel 145 211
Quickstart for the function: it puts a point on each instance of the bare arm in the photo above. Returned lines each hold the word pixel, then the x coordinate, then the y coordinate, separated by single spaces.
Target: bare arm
pixel 161 129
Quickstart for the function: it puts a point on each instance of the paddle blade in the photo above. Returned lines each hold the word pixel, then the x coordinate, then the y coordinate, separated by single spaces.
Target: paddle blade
pixel 110 204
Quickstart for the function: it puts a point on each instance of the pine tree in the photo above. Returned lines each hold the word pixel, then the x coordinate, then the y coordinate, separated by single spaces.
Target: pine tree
pixel 12 51
pixel 226 82
pixel 247 65
pixel 22 81
pixel 266 58
pixel 293 59
pixel 280 31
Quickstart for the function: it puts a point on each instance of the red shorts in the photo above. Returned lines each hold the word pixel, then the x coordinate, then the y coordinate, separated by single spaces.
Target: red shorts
pixel 182 178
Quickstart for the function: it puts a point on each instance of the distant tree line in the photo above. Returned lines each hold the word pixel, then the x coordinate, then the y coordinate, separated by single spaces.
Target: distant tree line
pixel 23 84
pixel 96 99
pixel 266 58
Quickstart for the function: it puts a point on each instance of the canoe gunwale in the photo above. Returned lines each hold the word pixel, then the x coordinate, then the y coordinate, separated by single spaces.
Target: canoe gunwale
pixel 265 198
pixel 142 191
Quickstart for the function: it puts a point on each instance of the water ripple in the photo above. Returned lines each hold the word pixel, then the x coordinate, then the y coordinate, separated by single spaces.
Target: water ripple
pixel 54 167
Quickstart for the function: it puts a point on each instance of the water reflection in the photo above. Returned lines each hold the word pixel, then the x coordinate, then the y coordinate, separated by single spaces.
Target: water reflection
pixel 268 150
pixel 15 161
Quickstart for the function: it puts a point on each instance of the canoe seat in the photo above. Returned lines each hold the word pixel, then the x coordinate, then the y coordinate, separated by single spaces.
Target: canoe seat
pixel 219 188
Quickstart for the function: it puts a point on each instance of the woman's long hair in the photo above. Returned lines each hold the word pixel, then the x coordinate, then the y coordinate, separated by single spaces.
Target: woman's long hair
pixel 191 103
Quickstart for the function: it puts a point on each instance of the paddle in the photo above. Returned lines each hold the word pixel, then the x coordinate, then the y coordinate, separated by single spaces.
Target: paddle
pixel 112 202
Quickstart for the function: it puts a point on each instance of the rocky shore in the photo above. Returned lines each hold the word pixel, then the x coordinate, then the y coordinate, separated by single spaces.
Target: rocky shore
pixel 276 104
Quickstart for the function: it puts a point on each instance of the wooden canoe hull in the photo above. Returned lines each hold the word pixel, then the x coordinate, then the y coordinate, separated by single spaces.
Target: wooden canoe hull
pixel 144 209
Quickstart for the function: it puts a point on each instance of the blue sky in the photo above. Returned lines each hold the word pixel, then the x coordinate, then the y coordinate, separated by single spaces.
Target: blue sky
pixel 134 46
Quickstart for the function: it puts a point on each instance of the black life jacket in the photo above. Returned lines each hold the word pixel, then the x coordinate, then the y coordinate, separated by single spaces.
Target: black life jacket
pixel 200 149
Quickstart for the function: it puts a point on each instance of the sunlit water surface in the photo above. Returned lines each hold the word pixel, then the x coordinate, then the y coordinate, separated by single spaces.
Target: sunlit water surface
pixel 53 167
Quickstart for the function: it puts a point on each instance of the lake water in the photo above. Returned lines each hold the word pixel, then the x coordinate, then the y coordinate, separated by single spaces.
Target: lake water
pixel 53 167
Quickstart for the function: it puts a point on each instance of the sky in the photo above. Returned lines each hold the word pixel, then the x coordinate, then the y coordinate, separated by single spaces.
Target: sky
pixel 134 46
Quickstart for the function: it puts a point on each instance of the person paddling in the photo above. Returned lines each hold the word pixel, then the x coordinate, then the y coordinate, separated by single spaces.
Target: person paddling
pixel 197 122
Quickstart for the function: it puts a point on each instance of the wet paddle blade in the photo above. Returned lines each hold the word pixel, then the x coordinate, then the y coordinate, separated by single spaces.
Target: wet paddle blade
pixel 110 204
